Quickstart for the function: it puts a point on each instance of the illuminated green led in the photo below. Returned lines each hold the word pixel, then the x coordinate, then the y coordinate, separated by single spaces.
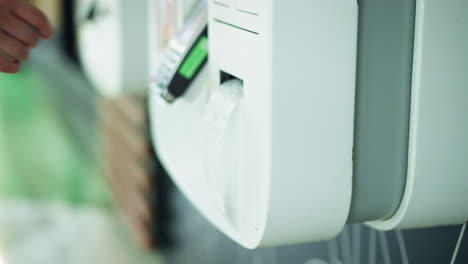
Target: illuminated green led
pixel 194 59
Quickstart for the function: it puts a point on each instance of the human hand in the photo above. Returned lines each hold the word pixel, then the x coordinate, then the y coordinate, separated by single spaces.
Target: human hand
pixel 21 27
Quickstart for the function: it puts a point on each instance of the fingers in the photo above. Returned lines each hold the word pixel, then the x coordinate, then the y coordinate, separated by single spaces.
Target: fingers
pixel 21 26
pixel 35 18
pixel 8 66
pixel 12 47
pixel 19 29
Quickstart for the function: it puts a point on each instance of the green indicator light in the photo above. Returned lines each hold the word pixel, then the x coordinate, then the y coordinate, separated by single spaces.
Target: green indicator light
pixel 194 59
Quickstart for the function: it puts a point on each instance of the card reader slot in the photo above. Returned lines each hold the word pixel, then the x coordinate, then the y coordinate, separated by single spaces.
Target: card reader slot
pixel 224 77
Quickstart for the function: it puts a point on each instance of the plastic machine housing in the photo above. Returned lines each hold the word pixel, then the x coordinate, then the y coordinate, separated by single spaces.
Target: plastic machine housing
pixel 264 149
pixel 281 147
pixel 410 129
pixel 434 105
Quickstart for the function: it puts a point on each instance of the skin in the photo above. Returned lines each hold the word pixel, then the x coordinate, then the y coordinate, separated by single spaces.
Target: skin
pixel 21 28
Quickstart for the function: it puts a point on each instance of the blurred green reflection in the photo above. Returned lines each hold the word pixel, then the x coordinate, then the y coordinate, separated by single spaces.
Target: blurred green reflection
pixel 39 160
pixel 55 208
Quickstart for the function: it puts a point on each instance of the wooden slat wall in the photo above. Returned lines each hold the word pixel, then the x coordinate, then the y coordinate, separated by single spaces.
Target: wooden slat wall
pixel 126 162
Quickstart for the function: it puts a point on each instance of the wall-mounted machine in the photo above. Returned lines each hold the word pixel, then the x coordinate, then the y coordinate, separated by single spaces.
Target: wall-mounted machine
pixel 265 152
pixel 262 142
pixel 113 41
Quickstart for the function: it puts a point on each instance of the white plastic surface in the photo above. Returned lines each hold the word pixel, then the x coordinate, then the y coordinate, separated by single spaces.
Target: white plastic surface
pixel 285 144
pixel 217 117
pixel 114 45
pixel 438 149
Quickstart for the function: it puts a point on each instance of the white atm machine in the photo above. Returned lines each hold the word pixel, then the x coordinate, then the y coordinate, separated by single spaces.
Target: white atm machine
pixel 263 150
pixel 312 114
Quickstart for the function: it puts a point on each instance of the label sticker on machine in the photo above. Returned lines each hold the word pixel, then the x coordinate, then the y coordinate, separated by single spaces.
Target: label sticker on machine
pixel 183 59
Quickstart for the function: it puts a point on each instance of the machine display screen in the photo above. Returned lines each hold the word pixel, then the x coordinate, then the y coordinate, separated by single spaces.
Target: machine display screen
pixel 194 59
